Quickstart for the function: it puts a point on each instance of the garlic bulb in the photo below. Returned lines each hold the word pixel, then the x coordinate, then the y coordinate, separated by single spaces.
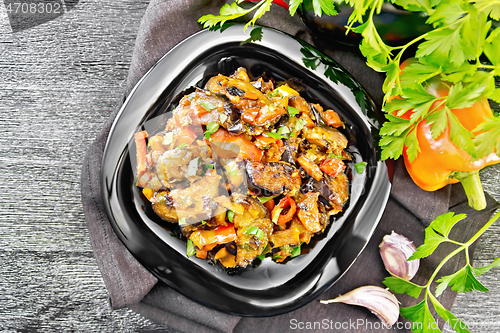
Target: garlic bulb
pixel 395 250
pixel 378 300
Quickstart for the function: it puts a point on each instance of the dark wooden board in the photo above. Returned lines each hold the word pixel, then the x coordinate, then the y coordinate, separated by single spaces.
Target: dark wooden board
pixel 58 82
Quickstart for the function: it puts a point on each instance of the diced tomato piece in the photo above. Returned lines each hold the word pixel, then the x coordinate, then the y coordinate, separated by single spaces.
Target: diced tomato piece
pixel 332 166
pixel 246 148
pixel 332 118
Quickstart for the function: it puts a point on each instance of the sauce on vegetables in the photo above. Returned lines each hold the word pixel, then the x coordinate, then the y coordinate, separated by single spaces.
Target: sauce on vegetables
pixel 247 168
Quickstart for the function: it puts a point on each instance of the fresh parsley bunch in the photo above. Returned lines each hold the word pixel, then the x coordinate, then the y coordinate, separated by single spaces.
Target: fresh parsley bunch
pixel 463 49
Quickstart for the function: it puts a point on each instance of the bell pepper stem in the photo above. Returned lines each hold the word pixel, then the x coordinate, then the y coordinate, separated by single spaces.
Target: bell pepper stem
pixel 473 188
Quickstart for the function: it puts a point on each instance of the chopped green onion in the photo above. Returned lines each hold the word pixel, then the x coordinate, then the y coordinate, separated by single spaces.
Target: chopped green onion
pixel 222 117
pixel 261 257
pixel 360 167
pixel 190 97
pixel 190 251
pixel 273 135
pixel 276 215
pixel 274 93
pixel 212 127
pixel 266 199
pixel 332 156
pixel 168 138
pixel 300 124
pixel 207 106
pixel 203 222
pixel 181 146
pixel 193 167
pixel 283 130
pixel 292 111
pixel 280 134
pixel 230 215
pixel 208 166
pixel 182 221
pixel 296 251
pixel 256 231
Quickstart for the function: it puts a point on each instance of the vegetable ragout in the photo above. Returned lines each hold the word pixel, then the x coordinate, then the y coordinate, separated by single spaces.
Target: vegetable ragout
pixel 247 168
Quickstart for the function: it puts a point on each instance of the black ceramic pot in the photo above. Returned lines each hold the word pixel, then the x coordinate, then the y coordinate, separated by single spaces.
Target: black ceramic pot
pixel 395 25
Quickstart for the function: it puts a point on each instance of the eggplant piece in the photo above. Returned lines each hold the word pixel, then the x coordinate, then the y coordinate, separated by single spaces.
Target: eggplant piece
pixel 300 104
pixel 335 190
pixel 267 179
pixel 255 214
pixel 172 165
pixel 309 184
pixel 316 111
pixel 233 122
pixel 291 150
pixel 308 212
pixel 329 138
pixel 162 205
pixel 235 91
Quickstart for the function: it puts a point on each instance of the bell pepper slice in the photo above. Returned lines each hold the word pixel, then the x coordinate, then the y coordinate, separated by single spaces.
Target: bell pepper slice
pixel 285 202
pixel 141 152
pixel 239 146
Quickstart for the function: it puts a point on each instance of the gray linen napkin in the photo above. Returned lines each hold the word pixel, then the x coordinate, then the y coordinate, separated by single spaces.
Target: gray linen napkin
pixel 409 209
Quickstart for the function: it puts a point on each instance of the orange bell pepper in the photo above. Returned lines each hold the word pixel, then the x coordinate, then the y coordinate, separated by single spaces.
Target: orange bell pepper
pixel 440 161
pixel 284 203
pixel 219 235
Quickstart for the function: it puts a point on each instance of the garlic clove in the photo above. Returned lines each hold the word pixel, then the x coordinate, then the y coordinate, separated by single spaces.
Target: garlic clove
pixel 395 250
pixel 378 300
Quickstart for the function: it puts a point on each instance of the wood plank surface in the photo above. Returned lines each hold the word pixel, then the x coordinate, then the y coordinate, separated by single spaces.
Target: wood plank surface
pixel 58 82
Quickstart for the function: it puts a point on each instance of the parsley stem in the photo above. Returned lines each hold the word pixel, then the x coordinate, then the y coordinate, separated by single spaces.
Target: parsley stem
pixel 461 248
pixel 483 229
pixel 442 263
pixel 455 242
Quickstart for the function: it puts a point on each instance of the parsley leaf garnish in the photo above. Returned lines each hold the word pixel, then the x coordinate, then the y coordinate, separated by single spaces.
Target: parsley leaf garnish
pixel 360 167
pixel 234 11
pixel 255 36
